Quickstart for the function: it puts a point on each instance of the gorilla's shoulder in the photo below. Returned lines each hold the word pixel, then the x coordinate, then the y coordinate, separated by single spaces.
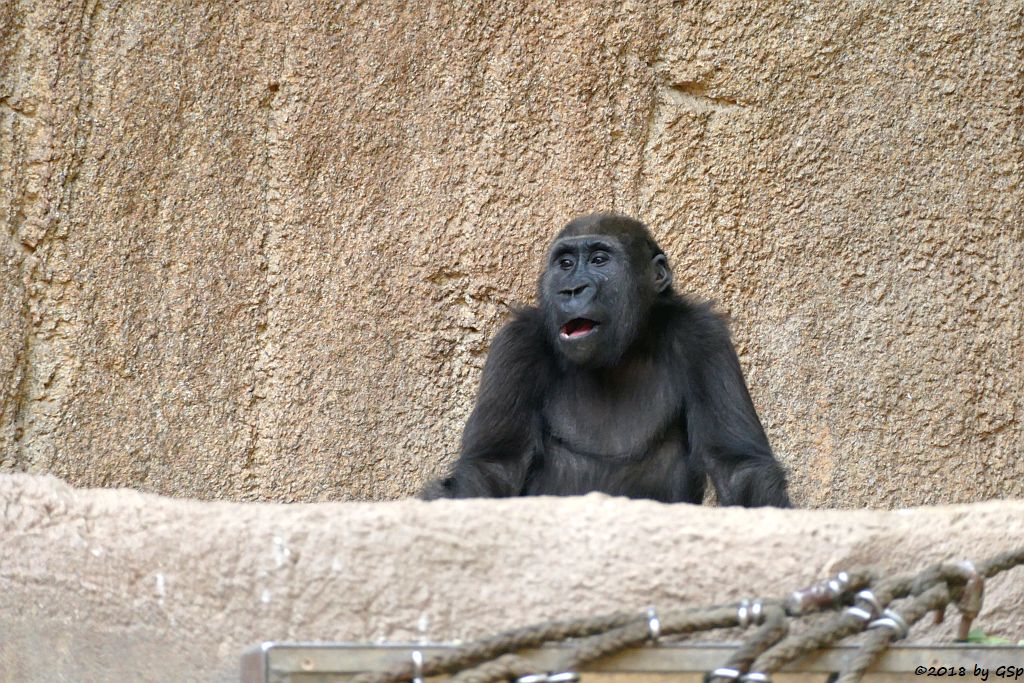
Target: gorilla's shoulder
pixel 526 320
pixel 523 335
pixel 695 325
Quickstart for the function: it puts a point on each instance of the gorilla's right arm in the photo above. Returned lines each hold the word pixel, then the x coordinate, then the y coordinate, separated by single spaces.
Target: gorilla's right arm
pixel 722 425
pixel 504 430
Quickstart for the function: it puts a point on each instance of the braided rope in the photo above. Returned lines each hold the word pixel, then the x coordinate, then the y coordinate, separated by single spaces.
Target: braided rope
pixel 774 629
pixel 879 640
pixel 769 648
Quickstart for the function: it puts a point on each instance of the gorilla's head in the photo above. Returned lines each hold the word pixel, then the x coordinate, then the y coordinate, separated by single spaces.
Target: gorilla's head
pixel 603 273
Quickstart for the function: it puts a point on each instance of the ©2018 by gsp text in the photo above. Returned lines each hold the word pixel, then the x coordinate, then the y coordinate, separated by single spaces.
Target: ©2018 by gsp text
pixel 1011 673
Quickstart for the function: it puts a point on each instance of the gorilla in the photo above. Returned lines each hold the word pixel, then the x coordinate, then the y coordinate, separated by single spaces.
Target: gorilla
pixel 614 383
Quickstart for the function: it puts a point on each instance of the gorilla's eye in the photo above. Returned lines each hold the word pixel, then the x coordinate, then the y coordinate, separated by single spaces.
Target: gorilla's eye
pixel 599 258
pixel 565 263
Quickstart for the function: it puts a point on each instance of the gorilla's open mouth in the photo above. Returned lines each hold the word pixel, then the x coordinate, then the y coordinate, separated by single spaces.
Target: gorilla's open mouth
pixel 578 327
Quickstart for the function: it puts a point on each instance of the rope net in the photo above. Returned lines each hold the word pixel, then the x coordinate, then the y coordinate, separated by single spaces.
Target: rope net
pixel 845 605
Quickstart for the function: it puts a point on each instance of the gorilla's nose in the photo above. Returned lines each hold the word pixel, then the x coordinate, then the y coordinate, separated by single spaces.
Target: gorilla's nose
pixel 574 292
pixel 576 298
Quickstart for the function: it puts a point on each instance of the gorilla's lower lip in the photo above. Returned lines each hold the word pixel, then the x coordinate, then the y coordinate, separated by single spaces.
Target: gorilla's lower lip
pixel 577 328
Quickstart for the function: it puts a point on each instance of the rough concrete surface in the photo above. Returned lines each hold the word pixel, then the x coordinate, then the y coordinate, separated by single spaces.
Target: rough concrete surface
pixel 258 250
pixel 101 585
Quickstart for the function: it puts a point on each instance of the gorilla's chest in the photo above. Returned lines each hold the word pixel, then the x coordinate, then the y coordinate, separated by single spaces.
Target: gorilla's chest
pixel 614 417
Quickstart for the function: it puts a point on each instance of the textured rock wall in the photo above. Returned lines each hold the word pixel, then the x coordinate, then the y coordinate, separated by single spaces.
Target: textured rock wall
pixel 257 250
pixel 123 586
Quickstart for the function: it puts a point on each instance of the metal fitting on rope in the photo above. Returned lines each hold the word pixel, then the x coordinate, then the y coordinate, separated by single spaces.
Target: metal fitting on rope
pixel 866 597
pixel 750 612
pixel 756 677
pixel 563 677
pixel 417 666
pixel 861 614
pixel 653 625
pixel 867 607
pixel 724 672
pixel 970 600
pixel 820 594
pixel 892 621
pixel 837 585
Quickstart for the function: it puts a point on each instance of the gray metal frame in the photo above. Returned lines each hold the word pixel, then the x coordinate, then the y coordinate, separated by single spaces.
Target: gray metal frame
pixel 337 662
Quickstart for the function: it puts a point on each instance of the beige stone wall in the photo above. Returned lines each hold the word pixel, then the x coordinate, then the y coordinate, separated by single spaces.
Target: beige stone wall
pixel 123 586
pixel 257 250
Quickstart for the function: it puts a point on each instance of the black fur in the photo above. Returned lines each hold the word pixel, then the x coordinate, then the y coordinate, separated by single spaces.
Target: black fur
pixel 648 404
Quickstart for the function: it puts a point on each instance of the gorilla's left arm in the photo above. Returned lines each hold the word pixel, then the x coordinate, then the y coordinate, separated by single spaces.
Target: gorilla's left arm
pixel 500 437
pixel 724 430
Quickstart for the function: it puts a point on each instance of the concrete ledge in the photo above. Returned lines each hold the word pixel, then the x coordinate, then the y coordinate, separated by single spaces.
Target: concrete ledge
pixel 119 585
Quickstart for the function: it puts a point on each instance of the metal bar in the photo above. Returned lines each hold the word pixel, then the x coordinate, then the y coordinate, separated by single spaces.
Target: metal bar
pixel 283 662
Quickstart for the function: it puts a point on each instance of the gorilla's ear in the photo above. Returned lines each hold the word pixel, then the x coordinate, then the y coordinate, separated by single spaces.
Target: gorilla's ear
pixel 662 273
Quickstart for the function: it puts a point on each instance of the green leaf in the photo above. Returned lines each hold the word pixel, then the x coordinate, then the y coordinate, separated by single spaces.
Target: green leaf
pixel 976 635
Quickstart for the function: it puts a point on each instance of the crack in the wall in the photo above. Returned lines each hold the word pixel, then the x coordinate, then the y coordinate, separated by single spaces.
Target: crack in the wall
pixel 263 366
pixel 29 172
pixel 84 120
pixel 44 360
pixel 670 95
pixel 22 121
pixel 694 95
pixel 279 102
pixel 652 133
pixel 650 130
pixel 17 215
pixel 691 95
pixel 14 402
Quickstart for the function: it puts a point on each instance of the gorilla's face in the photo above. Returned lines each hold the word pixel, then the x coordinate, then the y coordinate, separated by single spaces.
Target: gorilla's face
pixel 596 292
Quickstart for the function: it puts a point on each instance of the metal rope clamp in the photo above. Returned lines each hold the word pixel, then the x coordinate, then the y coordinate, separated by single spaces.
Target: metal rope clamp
pixel 866 607
pixel 563 677
pixel 653 625
pixel 417 666
pixel 750 612
pixel 736 675
pixel 819 595
pixel 724 673
pixel 892 621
